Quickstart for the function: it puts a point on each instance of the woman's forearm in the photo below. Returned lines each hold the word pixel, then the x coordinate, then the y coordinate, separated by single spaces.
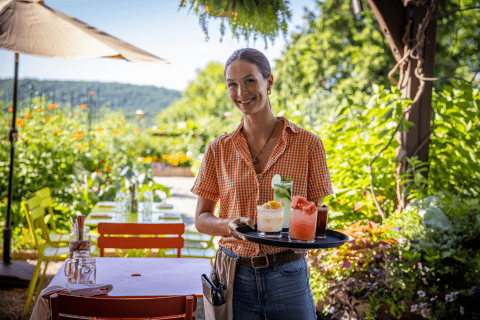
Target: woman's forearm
pixel 210 224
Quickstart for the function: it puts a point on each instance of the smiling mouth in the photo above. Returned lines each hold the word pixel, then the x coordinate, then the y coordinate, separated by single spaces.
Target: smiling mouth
pixel 246 102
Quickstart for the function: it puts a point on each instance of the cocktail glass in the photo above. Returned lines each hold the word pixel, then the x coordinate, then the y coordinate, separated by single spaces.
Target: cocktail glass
pixel 322 215
pixel 302 226
pixel 282 192
pixel 269 222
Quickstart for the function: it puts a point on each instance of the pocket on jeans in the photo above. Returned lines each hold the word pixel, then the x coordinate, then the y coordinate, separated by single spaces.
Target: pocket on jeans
pixel 293 268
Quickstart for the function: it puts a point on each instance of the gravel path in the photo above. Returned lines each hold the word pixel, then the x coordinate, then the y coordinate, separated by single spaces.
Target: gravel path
pixel 13 300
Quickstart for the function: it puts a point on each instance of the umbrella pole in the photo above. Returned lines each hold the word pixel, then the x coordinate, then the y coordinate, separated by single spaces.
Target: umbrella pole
pixel 13 273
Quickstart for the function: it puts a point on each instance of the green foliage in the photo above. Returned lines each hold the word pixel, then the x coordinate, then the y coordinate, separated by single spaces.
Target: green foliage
pixel 203 113
pixel 437 262
pixel 80 165
pixel 246 18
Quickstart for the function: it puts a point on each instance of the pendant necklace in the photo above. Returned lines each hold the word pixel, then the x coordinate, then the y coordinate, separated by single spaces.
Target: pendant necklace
pixel 255 159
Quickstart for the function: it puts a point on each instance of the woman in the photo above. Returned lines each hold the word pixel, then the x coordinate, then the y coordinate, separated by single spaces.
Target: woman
pixel 237 170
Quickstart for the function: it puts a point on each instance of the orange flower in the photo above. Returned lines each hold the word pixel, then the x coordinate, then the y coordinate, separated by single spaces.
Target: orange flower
pixel 155 158
pixel 40 110
pixel 57 131
pixel 115 132
pixel 102 161
pixel 137 128
pixel 122 120
pixel 111 153
pixel 107 168
pixel 10 109
pixel 74 115
pixel 7 123
pixel 78 134
pixel 81 147
pixel 96 170
pixel 108 123
pixel 4 200
pixel 27 116
pixel 52 107
pixel 124 129
pixel 20 122
pixel 47 118
pixel 26 140
pixel 83 106
pixel 91 93
pixel 99 128
pixel 110 181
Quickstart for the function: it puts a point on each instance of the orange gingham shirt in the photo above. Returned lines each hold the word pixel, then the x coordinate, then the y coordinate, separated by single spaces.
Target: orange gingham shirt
pixel 227 175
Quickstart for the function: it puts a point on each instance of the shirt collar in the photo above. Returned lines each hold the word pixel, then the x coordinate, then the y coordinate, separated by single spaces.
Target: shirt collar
pixel 288 127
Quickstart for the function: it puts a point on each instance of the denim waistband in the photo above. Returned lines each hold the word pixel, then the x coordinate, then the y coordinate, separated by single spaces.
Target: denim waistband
pixel 230 253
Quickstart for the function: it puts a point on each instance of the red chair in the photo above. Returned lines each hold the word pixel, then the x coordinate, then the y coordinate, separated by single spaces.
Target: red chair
pixel 172 308
pixel 112 235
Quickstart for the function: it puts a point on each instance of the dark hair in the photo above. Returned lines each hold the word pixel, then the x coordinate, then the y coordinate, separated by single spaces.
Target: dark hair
pixel 252 56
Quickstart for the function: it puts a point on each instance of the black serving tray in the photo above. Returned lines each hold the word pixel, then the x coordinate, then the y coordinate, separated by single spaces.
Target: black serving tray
pixel 332 240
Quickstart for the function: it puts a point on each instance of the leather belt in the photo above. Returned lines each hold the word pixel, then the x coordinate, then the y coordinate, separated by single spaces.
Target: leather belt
pixel 267 260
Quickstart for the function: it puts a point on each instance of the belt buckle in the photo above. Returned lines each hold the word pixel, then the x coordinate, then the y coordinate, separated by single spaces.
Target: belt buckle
pixel 266 258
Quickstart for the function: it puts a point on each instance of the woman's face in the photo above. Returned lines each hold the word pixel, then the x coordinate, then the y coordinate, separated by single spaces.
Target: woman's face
pixel 247 88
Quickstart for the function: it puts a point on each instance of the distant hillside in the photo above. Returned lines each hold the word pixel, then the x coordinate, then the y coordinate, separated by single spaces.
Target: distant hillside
pixel 128 97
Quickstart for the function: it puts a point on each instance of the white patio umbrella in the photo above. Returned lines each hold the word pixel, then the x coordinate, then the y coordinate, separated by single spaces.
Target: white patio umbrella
pixel 30 27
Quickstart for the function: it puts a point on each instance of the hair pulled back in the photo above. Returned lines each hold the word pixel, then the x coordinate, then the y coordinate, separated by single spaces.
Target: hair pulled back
pixel 252 56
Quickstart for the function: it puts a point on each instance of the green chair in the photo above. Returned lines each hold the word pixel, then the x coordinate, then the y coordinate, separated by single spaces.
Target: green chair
pixel 196 245
pixel 56 236
pixel 46 249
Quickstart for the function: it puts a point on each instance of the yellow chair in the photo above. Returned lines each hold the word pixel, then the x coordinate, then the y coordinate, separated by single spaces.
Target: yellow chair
pixel 56 236
pixel 47 251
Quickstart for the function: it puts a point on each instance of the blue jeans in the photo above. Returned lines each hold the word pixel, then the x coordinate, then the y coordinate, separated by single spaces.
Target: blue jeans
pixel 278 291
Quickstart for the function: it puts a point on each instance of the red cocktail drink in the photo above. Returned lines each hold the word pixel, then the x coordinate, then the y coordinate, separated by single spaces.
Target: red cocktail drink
pixel 322 214
pixel 302 225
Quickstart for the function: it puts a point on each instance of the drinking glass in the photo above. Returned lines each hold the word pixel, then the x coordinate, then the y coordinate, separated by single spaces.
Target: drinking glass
pixel 282 192
pixel 302 226
pixel 86 271
pixel 71 265
pixel 147 212
pixel 75 243
pixel 322 215
pixel 269 222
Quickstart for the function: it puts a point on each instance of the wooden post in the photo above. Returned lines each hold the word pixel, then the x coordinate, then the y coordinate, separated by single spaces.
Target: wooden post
pixel 392 18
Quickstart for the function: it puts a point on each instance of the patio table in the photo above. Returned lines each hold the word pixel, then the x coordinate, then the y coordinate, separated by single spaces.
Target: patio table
pixel 131 277
pixel 105 212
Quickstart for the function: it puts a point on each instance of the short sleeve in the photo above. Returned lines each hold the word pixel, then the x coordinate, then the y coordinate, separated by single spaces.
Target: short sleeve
pixel 319 184
pixel 206 184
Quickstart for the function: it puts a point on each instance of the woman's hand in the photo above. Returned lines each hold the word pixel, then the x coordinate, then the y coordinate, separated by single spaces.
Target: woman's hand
pixel 240 221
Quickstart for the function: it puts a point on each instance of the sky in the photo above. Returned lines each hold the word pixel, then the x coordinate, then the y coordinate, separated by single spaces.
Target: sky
pixel 155 26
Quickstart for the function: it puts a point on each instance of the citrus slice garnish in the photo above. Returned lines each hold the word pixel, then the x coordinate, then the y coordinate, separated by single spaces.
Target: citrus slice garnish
pixel 276 179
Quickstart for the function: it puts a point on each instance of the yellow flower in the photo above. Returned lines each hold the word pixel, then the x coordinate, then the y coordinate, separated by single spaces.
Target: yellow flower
pixel 124 129
pixel 52 107
pixel 40 110
pixel 83 106
pixel 115 132
pixel 20 122
pixel 81 147
pixel 78 134
pixel 107 168
pixel 57 131
pixel 10 109
pixel 7 123
pixel 99 128
pixel 122 120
